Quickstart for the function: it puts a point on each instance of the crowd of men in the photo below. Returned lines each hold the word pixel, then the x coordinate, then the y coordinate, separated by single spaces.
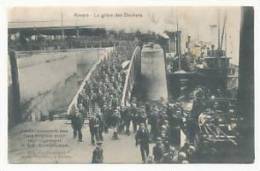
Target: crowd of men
pixel 152 122
pixel 157 123
pixel 100 97
pixel 162 126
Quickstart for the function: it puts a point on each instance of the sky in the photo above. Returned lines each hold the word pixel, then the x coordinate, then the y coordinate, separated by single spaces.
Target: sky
pixel 193 21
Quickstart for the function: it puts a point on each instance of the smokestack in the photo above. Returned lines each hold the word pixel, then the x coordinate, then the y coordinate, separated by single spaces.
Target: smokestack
pixel 218 29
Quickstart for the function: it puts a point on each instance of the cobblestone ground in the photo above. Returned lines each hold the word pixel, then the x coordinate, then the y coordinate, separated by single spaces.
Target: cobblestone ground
pixel 115 151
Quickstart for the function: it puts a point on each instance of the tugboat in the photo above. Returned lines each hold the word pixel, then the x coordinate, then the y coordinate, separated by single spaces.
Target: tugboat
pixel 217 121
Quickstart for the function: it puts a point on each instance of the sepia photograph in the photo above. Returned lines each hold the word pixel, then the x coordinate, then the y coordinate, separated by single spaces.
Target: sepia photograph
pixel 131 85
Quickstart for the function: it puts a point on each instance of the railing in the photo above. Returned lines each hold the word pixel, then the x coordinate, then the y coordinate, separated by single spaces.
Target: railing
pixel 132 73
pixel 74 102
pixel 43 45
pixel 25 53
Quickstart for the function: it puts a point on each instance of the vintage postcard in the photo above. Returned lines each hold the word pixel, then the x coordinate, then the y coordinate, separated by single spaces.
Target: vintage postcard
pixel 131 85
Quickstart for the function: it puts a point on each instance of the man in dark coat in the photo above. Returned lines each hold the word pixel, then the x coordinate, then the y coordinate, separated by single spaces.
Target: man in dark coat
pixel 101 125
pixel 97 156
pixel 154 122
pixel 126 119
pixel 198 105
pixel 170 154
pixel 134 114
pixel 116 118
pixel 107 117
pixel 77 121
pixel 94 129
pixel 158 150
pixel 142 139
pixel 142 116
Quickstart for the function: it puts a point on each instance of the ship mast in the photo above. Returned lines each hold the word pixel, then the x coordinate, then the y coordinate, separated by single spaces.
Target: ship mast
pixel 62 29
pixel 178 45
pixel 225 43
pixel 178 42
pixel 223 31
pixel 218 29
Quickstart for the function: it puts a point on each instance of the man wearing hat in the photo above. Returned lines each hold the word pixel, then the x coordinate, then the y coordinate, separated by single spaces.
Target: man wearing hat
pixel 134 116
pixel 97 155
pixel 77 121
pixel 190 153
pixel 153 122
pixel 101 125
pixel 94 128
pixel 182 156
pixel 168 155
pixel 198 106
pixel 126 119
pixel 142 138
pixel 106 113
pixel 116 117
pixel 142 117
pixel 158 150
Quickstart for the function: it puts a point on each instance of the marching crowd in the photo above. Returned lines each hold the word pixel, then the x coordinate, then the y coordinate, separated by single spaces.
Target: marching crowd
pixel 102 92
pixel 162 126
pixel 159 124
pixel 152 123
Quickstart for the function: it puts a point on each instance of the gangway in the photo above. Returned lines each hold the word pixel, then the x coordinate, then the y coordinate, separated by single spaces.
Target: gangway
pixel 153 73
